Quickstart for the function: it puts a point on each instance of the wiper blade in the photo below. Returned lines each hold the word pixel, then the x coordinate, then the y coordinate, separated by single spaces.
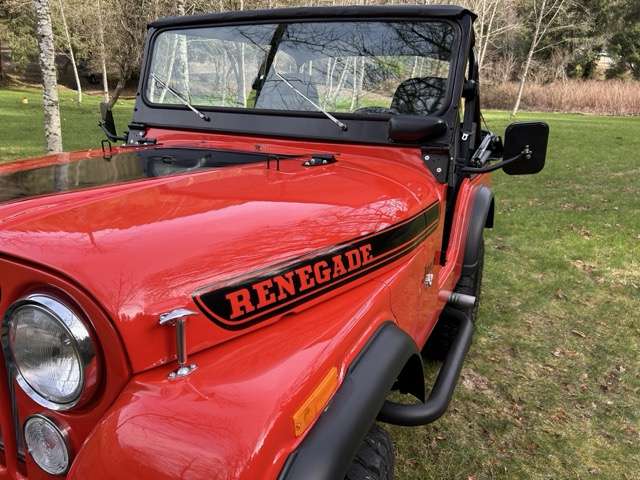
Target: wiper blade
pixel 181 98
pixel 270 56
pixel 340 124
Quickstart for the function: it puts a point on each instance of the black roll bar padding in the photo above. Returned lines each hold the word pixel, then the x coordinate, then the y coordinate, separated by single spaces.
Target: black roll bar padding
pixel 411 415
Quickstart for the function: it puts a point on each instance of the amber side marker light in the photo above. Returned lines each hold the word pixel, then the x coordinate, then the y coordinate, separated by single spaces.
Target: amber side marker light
pixel 315 403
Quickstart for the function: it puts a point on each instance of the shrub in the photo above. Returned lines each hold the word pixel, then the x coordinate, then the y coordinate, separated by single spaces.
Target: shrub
pixel 613 97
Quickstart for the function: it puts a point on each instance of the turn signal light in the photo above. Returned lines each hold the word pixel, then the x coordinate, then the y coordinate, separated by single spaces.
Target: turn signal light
pixel 315 403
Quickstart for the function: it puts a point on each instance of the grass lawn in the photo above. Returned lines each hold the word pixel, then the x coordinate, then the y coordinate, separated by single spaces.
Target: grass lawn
pixel 21 124
pixel 551 389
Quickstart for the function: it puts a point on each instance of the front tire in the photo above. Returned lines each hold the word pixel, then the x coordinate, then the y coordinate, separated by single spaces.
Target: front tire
pixel 375 459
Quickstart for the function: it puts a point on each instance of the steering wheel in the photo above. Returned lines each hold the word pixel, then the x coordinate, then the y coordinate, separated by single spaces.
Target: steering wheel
pixel 381 110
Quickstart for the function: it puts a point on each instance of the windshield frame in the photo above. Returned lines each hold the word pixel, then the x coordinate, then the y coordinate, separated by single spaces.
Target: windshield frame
pixel 365 129
pixel 146 78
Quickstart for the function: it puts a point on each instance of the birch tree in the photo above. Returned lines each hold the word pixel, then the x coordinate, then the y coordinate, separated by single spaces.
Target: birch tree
pixel 493 20
pixel 72 57
pixel 546 15
pixel 103 53
pixel 47 60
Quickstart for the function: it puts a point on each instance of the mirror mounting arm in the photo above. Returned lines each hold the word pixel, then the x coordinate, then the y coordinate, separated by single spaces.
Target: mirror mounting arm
pixel 110 135
pixel 526 153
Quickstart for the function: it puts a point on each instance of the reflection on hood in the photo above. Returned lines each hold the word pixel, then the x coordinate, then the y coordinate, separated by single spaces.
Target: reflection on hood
pixel 117 168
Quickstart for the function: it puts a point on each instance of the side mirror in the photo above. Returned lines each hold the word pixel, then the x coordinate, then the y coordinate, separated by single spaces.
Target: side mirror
pixel 108 124
pixel 415 128
pixel 528 142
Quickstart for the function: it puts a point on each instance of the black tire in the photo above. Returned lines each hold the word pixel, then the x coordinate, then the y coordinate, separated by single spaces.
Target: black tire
pixel 445 330
pixel 375 459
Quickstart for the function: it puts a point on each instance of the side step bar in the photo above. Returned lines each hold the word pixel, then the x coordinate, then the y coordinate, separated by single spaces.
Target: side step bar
pixel 411 415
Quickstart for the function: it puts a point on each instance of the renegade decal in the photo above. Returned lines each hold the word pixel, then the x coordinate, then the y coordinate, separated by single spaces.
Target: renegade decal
pixel 242 302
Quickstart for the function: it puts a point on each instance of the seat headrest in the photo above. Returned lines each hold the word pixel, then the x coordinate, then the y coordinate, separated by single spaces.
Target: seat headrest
pixel 419 96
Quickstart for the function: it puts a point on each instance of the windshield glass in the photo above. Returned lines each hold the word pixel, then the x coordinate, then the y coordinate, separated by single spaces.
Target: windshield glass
pixel 362 67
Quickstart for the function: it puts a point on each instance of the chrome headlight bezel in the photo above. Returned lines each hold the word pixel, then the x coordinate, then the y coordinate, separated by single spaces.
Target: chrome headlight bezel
pixel 71 321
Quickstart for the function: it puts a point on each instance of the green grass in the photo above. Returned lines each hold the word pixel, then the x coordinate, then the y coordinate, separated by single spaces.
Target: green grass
pixel 551 389
pixel 552 383
pixel 22 124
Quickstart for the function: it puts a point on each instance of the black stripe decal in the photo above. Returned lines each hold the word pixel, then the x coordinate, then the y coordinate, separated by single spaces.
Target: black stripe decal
pixel 242 302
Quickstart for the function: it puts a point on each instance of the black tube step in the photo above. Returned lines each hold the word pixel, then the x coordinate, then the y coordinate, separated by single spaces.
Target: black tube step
pixel 411 415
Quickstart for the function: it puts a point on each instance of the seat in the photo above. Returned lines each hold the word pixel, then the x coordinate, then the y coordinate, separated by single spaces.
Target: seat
pixel 419 96
pixel 277 95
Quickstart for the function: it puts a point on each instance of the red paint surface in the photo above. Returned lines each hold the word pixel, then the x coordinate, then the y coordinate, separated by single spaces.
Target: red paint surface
pixel 128 253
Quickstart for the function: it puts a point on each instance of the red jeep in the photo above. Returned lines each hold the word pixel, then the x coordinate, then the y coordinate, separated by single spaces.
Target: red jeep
pixel 294 219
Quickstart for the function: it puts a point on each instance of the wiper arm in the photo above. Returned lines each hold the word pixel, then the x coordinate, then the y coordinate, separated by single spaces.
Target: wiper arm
pixel 270 57
pixel 181 98
pixel 341 125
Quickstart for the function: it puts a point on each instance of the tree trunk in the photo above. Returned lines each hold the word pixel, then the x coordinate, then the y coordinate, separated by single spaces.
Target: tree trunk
pixel 243 72
pixel 103 54
pixel 360 83
pixel 1 69
pixel 341 80
pixel 355 84
pixel 47 59
pixel 415 67
pixel 532 49
pixel 184 60
pixel 487 34
pixel 70 48
pixel 243 76
pixel 172 61
pixel 523 80
pixel 327 83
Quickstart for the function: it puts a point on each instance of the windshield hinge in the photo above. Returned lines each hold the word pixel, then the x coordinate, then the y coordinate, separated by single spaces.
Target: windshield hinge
pixel 137 135
pixel 437 163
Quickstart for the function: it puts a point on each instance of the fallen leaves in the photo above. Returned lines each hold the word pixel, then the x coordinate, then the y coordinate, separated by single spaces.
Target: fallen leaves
pixel 474 381
pixel 612 379
pixel 560 295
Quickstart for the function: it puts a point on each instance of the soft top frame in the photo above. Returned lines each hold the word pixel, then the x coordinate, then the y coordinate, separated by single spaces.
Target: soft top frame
pixel 316 13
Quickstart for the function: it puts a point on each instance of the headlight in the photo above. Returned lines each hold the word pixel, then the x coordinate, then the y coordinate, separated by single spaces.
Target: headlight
pixel 52 351
pixel 47 444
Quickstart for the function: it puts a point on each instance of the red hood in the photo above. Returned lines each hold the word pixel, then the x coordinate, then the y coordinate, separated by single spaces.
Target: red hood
pixel 144 248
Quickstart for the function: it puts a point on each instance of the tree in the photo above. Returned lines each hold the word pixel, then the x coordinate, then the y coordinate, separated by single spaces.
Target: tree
pixel 50 102
pixel 546 16
pixel 72 57
pixel 103 53
pixel 494 19
pixel 624 45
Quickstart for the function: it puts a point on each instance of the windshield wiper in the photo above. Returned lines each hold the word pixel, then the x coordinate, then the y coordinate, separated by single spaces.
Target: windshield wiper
pixel 181 98
pixel 341 125
pixel 268 63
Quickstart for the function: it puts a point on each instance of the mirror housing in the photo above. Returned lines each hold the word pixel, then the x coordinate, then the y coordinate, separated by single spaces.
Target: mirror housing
pixel 525 136
pixel 108 124
pixel 524 151
pixel 415 128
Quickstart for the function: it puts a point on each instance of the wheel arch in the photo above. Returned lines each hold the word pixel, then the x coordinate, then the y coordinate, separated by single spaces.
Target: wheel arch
pixel 482 216
pixel 389 359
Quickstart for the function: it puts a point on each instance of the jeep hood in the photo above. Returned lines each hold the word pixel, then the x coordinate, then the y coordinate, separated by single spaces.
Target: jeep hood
pixel 147 246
